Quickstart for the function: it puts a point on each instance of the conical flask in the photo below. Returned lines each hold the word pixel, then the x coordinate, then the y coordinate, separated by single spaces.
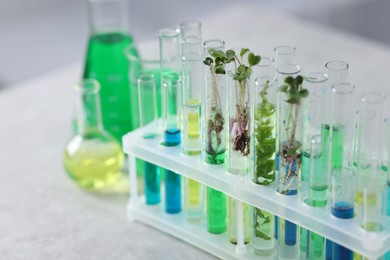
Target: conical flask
pixel 107 63
pixel 92 158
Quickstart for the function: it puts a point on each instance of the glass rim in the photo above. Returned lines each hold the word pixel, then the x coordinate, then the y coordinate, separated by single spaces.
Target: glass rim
pixel 198 40
pixel 169 32
pixel 192 56
pixel 87 86
pixel 265 62
pixel 292 72
pixel 316 77
pixel 337 88
pixel 146 78
pixel 291 49
pixel 214 40
pixel 329 63
pixel 373 97
pixel 191 24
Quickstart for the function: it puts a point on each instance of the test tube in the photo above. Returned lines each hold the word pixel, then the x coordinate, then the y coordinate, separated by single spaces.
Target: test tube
pixel 192 125
pixel 170 63
pixel 191 36
pixel 215 136
pixel 318 171
pixel 342 204
pixel 265 151
pixel 148 122
pixel 338 72
pixel 240 213
pixel 374 201
pixel 316 119
pixel 368 139
pixel 385 164
pixel 288 167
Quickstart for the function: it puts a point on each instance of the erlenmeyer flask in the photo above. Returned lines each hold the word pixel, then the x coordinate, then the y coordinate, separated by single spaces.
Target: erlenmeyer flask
pixel 107 63
pixel 92 158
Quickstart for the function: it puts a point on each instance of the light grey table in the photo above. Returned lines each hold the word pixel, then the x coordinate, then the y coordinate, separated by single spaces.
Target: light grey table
pixel 43 215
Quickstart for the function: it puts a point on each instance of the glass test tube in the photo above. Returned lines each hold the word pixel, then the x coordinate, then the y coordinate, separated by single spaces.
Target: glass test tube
pixel 368 139
pixel 265 150
pixel 374 201
pixel 148 122
pixel 385 164
pixel 215 136
pixel 342 204
pixel 192 79
pixel 191 36
pixel 170 63
pixel 234 219
pixel 316 118
pixel 288 167
pixel 337 71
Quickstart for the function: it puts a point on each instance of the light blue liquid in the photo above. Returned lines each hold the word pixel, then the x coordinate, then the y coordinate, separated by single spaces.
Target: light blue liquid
pixel 152 183
pixel 172 192
pixel 172 137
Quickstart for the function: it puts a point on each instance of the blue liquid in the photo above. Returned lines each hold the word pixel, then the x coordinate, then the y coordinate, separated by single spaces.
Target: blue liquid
pixel 290 235
pixel 341 253
pixel 152 183
pixel 172 136
pixel 342 210
pixel 329 249
pixel 172 192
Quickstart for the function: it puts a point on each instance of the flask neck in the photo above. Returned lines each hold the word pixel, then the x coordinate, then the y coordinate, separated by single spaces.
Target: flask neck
pixel 87 104
pixel 107 16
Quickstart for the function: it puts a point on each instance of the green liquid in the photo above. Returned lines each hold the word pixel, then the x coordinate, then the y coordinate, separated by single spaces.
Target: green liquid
pixel 303 233
pixel 338 143
pixel 107 63
pixel 215 158
pixel 316 247
pixel 216 211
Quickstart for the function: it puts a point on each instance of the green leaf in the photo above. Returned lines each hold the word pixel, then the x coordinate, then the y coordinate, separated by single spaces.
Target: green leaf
pixel 230 54
pixel 220 70
pixel 303 93
pixel 216 53
pixel 293 100
pixel 253 59
pixel 243 51
pixel 208 61
pixel 289 80
pixel 283 88
pixel 299 80
pixel 262 235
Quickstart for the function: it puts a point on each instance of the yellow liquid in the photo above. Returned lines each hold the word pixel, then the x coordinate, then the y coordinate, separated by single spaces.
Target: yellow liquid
pixel 93 164
pixel 371 198
pixel 194 193
pixel 193 118
pixel 248 222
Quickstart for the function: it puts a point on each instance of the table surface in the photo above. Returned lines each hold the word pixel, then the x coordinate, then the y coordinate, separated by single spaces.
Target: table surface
pixel 43 215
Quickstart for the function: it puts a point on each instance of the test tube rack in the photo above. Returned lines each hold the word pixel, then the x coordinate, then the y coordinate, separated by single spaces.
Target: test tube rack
pixel 347 233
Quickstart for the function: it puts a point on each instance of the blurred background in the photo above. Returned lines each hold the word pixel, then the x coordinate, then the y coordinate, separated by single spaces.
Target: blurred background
pixel 41 35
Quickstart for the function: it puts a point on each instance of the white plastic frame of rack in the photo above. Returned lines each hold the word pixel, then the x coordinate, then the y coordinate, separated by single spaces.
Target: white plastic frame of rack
pixel 347 233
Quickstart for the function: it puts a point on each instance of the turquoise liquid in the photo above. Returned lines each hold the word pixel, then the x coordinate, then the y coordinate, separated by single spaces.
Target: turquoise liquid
pixel 303 241
pixel 337 144
pixel 152 183
pixel 106 62
pixel 172 192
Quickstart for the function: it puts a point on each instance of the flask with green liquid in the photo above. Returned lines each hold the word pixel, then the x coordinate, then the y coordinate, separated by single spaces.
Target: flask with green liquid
pixel 92 158
pixel 107 63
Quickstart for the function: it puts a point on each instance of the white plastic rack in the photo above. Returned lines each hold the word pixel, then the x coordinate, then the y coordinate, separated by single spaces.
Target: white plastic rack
pixel 347 233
